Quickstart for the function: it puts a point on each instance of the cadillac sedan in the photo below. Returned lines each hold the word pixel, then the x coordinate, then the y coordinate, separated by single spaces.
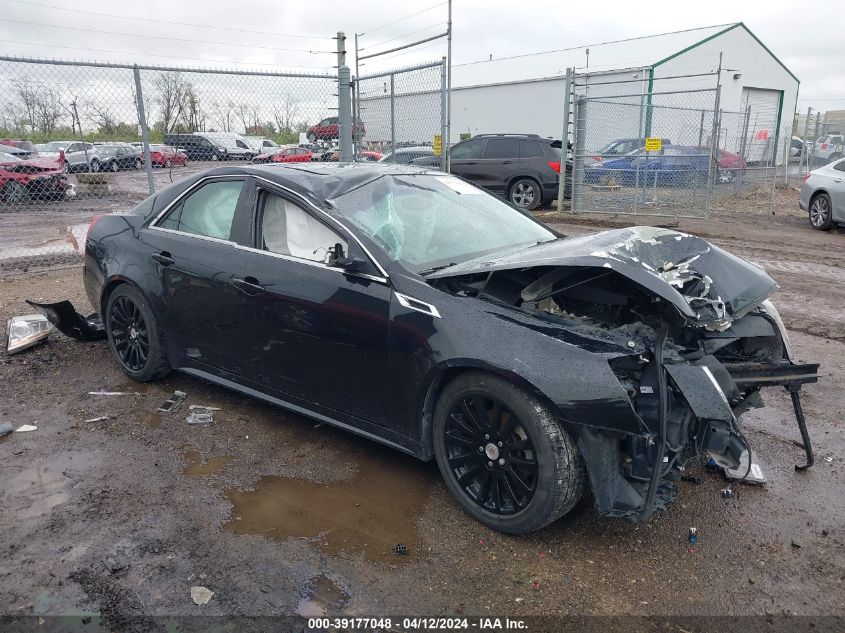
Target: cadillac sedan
pixel 417 310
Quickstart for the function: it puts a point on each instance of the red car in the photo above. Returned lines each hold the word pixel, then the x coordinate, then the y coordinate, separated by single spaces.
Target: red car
pixel 166 156
pixel 371 156
pixel 25 180
pixel 730 166
pixel 290 154
pixel 329 129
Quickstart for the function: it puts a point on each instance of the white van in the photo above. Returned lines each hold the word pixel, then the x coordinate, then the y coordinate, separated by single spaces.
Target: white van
pixel 236 146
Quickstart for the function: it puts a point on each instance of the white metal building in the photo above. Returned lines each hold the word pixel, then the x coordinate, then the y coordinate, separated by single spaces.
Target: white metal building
pixel 525 93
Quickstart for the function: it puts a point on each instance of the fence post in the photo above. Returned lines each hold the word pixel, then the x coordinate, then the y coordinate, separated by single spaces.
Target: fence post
pixel 804 153
pixel 344 107
pixel 392 118
pixel 714 144
pixel 145 134
pixel 564 141
pixel 578 152
pixel 443 145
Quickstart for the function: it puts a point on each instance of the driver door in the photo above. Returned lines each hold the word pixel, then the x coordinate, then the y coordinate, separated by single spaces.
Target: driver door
pixel 317 333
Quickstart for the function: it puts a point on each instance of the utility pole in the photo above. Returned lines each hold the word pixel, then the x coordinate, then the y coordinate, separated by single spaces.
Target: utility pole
pixel 81 138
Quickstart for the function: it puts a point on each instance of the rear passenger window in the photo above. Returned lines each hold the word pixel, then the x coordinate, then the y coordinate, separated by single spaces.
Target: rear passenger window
pixel 840 166
pixel 208 211
pixel 502 148
pixel 531 149
pixel 468 149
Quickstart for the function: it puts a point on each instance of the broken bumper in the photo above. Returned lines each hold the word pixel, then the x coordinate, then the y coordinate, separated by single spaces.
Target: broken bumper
pixel 69 322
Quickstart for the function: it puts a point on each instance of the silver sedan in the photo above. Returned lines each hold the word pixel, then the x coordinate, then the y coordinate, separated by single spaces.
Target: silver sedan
pixel 823 196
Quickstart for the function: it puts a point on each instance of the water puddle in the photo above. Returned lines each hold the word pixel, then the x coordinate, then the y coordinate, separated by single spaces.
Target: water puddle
pixel 370 513
pixel 197 467
pixel 37 489
pixel 321 596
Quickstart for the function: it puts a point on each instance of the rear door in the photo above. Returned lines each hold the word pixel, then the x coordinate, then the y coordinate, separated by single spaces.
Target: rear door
pixel 316 332
pixel 192 246
pixel 499 162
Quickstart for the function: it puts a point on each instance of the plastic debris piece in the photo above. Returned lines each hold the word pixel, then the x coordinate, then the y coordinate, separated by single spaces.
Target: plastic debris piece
pixel 400 550
pixel 25 428
pixel 201 595
pixel 114 393
pixel 172 403
pixel 693 535
pixel 200 416
pixel 202 406
pixel 755 475
pixel 99 419
pixel 727 494
pixel 537 585
pixel 6 428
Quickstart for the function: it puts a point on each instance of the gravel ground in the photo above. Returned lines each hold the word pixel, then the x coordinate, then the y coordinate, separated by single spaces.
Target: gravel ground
pixel 277 514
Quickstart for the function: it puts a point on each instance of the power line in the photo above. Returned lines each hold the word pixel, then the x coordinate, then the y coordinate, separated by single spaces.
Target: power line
pixel 393 39
pixel 193 59
pixel 410 15
pixel 161 37
pixel 202 26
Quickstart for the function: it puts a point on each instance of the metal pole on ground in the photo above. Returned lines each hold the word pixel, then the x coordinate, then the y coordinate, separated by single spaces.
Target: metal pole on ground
pixel 145 133
pixel 344 106
pixel 564 140
pixel 578 152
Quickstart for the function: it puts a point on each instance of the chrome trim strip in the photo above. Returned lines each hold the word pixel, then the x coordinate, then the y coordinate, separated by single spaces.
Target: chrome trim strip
pixel 409 302
pixel 217 240
pixel 295 194
pixel 309 262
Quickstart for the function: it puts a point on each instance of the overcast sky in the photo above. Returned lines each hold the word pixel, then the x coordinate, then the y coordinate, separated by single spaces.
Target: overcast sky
pixel 257 33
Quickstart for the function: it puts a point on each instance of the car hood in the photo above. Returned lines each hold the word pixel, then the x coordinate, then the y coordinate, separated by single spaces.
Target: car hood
pixel 708 286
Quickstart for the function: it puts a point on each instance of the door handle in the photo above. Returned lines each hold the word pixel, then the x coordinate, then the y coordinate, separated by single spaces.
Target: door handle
pixel 507 162
pixel 837 180
pixel 163 258
pixel 249 285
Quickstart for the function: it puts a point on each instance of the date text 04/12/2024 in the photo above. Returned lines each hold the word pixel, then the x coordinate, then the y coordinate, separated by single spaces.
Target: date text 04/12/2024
pixel 417 624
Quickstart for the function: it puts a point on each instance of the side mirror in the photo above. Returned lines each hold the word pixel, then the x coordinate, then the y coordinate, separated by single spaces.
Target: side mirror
pixel 337 259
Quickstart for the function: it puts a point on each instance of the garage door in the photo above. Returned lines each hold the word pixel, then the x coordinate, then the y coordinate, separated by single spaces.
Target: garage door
pixel 762 123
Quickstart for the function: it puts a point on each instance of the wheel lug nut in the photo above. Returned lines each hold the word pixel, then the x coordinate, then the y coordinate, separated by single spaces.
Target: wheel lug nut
pixel 486 436
pixel 501 461
pixel 500 445
pixel 489 464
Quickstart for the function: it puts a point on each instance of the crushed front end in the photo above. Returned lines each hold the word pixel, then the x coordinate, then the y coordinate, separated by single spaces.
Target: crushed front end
pixel 694 340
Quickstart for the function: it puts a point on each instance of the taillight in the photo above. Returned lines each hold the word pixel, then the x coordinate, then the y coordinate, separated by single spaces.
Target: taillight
pixel 806 176
pixel 555 166
pixel 598 158
pixel 94 220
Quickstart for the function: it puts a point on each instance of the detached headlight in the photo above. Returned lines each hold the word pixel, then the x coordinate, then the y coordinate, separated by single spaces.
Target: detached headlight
pixel 222 149
pixel 25 331
pixel 770 309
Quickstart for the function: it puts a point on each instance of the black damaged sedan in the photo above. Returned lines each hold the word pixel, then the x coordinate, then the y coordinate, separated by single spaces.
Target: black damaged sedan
pixel 412 308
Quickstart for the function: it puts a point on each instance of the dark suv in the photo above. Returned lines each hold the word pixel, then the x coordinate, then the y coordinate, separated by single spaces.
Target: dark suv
pixel 524 168
pixel 197 147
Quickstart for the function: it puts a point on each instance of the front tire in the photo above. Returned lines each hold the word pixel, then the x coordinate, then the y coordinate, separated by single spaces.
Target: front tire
pixel 821 212
pixel 525 193
pixel 95 166
pixel 13 193
pixel 135 340
pixel 504 456
pixel 113 166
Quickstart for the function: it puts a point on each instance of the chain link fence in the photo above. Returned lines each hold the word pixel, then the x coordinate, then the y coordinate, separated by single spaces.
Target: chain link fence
pixel 402 111
pixel 641 149
pixel 72 135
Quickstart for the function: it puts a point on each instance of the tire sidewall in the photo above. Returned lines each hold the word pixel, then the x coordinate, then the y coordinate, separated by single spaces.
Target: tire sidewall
pixel 538 194
pixel 828 223
pixel 151 368
pixel 540 509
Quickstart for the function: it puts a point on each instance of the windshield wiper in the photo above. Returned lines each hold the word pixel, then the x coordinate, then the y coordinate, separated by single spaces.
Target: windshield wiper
pixel 434 269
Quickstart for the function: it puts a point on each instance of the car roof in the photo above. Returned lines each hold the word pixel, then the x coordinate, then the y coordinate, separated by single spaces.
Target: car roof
pixel 317 179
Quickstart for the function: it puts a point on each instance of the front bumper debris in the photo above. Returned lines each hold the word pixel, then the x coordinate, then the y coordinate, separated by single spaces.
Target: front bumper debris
pixel 69 322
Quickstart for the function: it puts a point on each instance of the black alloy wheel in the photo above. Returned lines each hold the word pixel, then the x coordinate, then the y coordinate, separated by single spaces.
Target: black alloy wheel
pixel 490 454
pixel 129 334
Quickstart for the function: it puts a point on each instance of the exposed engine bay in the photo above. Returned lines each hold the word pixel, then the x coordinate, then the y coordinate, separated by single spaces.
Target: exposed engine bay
pixel 695 340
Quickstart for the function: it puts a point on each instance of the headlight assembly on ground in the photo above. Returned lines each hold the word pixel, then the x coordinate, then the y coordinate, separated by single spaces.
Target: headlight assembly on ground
pixel 25 331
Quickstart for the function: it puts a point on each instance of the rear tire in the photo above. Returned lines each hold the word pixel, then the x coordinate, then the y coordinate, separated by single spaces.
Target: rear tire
pixel 135 340
pixel 821 212
pixel 95 166
pixel 504 456
pixel 113 166
pixel 525 193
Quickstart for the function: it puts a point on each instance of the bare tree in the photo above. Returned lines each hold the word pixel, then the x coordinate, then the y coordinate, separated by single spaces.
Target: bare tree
pixel 172 97
pixel 285 113
pixel 195 118
pixel 40 109
pixel 224 115
pixel 100 117
pixel 248 114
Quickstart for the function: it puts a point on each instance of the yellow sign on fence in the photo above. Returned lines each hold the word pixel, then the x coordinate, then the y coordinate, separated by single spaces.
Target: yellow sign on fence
pixel 438 145
pixel 653 144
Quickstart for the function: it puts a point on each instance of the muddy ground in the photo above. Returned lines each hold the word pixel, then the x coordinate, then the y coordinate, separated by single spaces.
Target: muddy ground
pixel 277 514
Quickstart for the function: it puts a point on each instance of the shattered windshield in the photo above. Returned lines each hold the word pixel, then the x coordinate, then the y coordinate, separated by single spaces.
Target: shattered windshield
pixel 428 222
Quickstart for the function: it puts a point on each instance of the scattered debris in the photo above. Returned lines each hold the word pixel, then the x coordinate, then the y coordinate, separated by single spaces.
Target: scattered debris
pixel 691 478
pixel 69 322
pixel 22 332
pixel 173 402
pixel 796 543
pixel 693 535
pixel 518 599
pixel 727 494
pixel 201 415
pixel 6 428
pixel 400 550
pixel 537 585
pixel 755 475
pixel 114 393
pixel 201 595
pixel 829 460
pixel 202 406
pixel 25 428
pixel 99 419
